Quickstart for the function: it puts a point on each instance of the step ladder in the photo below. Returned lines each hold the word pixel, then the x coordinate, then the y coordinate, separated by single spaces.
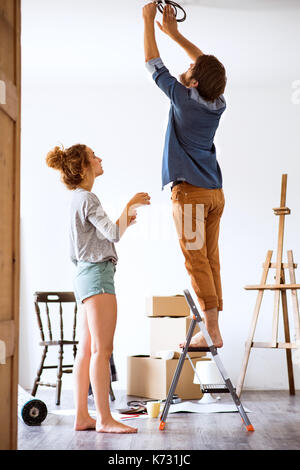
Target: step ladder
pixel 227 387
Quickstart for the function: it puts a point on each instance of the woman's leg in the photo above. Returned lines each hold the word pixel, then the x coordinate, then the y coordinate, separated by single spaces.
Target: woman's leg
pixel 81 375
pixel 102 317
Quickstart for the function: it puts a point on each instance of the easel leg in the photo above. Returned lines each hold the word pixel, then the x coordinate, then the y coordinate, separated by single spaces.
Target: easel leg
pixel 279 260
pixel 294 295
pixel 241 378
pixel 287 337
pixel 253 324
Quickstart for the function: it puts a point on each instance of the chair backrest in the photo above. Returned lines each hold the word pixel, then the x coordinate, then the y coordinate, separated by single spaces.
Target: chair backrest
pixel 60 298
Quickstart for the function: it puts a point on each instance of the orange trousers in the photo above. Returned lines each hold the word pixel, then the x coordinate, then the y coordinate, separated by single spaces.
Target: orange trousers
pixel 197 213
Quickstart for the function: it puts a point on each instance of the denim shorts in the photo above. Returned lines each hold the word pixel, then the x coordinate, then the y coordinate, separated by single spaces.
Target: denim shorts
pixel 94 278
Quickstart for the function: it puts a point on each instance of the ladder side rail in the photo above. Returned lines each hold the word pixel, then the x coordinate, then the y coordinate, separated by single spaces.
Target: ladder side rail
pixel 177 372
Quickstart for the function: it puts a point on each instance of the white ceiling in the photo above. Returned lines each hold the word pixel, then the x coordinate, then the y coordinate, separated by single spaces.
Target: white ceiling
pixel 243 4
pixel 97 41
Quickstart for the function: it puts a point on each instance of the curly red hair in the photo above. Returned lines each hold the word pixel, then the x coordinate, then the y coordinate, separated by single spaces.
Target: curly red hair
pixel 72 163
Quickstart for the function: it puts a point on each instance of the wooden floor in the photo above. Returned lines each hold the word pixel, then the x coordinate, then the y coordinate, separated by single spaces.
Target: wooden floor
pixel 275 416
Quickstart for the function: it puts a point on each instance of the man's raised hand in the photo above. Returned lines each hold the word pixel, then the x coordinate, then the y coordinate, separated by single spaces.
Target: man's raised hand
pixel 149 11
pixel 169 25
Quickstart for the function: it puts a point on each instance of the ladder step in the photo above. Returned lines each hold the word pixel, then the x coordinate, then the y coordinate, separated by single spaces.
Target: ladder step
pixel 195 349
pixel 214 388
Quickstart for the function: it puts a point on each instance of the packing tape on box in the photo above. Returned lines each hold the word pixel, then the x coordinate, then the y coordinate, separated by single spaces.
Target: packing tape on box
pixel 167 354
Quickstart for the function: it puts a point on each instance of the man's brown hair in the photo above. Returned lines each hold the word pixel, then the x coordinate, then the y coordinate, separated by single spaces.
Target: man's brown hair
pixel 210 75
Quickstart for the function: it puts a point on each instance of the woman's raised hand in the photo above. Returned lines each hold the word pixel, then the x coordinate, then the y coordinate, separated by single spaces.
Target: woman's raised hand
pixel 132 219
pixel 129 214
pixel 140 199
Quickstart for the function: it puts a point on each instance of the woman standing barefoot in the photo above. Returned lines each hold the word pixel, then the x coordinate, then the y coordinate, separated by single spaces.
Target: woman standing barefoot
pixel 92 237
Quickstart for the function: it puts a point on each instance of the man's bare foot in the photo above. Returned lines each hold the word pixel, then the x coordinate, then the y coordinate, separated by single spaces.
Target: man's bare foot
pixel 198 341
pixel 114 426
pixel 84 424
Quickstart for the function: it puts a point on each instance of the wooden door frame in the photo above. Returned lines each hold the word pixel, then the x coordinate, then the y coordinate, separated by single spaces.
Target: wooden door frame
pixel 10 328
pixel 17 221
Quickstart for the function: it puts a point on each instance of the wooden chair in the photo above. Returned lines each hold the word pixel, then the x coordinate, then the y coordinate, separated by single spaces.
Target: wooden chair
pixel 48 298
pixel 59 297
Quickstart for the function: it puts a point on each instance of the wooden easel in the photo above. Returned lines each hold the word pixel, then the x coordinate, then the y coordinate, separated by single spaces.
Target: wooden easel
pixel 280 289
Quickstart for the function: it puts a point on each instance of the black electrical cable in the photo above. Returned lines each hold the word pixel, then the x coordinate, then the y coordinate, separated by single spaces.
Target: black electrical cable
pixel 161 5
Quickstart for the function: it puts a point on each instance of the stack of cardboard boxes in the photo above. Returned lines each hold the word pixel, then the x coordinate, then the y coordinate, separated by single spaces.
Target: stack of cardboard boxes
pixel 151 376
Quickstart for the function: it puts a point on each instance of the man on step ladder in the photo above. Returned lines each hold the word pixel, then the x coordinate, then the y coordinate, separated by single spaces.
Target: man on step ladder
pixel 190 163
pixel 227 387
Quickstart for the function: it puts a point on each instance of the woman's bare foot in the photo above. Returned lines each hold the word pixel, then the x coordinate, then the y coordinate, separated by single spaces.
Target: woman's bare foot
pixel 114 426
pixel 198 341
pixel 83 424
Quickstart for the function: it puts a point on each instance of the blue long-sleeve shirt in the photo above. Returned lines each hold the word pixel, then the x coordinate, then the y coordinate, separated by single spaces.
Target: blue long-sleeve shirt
pixel 189 151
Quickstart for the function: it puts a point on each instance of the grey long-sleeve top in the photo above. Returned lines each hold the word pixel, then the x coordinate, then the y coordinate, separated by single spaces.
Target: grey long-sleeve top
pixel 92 234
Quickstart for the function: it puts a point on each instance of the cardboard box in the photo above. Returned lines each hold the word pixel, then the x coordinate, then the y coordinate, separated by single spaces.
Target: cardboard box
pixel 171 306
pixel 151 378
pixel 166 333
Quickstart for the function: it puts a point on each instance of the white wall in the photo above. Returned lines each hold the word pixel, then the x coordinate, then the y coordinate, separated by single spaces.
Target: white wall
pixel 84 81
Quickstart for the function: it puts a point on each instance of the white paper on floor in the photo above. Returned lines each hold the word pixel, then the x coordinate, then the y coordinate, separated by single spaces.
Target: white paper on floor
pixel 92 413
pixel 190 407
pixel 183 407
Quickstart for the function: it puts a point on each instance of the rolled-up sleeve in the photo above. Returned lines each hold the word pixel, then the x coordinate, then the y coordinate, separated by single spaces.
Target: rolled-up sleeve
pixel 154 64
pixel 98 217
pixel 177 92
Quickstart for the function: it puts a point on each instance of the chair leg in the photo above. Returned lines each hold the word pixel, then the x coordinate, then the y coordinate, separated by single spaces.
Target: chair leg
pixel 74 351
pixel 113 375
pixel 111 393
pixel 59 374
pixel 39 372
